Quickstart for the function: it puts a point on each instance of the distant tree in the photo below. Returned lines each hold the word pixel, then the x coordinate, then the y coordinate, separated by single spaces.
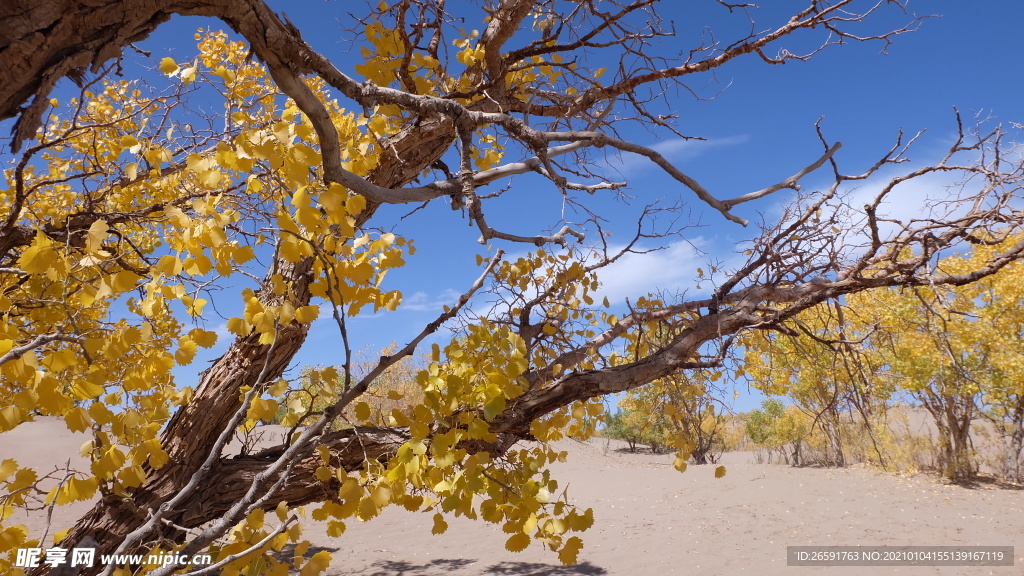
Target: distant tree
pixel 677 407
pixel 997 311
pixel 819 361
pixel 779 428
pixel 929 339
pixel 617 427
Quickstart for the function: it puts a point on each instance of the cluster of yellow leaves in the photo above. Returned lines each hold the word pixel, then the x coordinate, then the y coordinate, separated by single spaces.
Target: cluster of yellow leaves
pixel 388 61
pixel 488 152
pixel 434 472
pixel 177 214
pixel 270 560
pixel 384 57
pixel 170 213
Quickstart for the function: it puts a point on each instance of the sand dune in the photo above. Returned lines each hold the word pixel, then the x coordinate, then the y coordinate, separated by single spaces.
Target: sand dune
pixel 650 519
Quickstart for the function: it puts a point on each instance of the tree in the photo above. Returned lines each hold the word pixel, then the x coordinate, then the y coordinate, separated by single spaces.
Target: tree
pixel 126 221
pixel 932 349
pixel 677 409
pixel 819 360
pixel 682 406
pixel 999 301
pixel 928 339
pixel 634 427
pixel 781 428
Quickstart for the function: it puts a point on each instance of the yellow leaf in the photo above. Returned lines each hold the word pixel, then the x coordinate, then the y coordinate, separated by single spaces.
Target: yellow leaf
pixel 317 564
pixel 39 257
pixel 23 479
pixel 255 519
pixel 7 467
pixel 362 411
pixel 335 528
pixel 132 476
pixel 95 236
pixel 278 388
pixel 204 338
pixel 12 537
pixel 85 390
pixel 168 66
pixel 158 458
pixel 195 308
pixel 380 496
pixel 440 526
pixel 76 489
pixel 110 462
pixel 719 471
pixel 517 543
pixel 494 407
pixel 306 314
pixel 570 550
pixel 530 524
pixel 355 204
pixel 77 419
pixel 186 351
pixel 169 265
pixel 124 280
pixel 60 359
pixel 391 300
pixel 209 178
pixel 239 326
pixel 177 218
pixel 325 454
pixel 262 409
pixel 227 75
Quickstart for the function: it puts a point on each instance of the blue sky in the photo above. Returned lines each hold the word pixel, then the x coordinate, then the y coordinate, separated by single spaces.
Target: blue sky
pixel 759 128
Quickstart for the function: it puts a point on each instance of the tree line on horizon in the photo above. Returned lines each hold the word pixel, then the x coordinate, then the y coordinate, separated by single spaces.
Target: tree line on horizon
pixel 843 377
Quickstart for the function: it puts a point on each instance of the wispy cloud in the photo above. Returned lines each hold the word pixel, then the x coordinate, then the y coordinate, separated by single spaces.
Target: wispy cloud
pixel 675 150
pixel 421 301
pixel 673 269
pixel 930 196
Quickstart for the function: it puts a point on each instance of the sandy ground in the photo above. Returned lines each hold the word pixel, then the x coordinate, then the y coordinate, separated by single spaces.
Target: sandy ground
pixel 652 520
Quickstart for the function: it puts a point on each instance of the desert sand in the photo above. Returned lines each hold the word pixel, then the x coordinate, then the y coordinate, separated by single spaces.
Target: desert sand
pixel 653 520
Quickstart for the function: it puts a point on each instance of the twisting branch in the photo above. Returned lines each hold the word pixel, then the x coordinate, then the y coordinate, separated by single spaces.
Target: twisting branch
pixel 387 362
pixel 216 567
pixel 258 493
pixel 42 339
pixel 157 516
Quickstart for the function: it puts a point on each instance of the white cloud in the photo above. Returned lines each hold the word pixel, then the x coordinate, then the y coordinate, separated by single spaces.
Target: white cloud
pixel 675 150
pixel 922 197
pixel 673 269
pixel 421 301
pixel 934 196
